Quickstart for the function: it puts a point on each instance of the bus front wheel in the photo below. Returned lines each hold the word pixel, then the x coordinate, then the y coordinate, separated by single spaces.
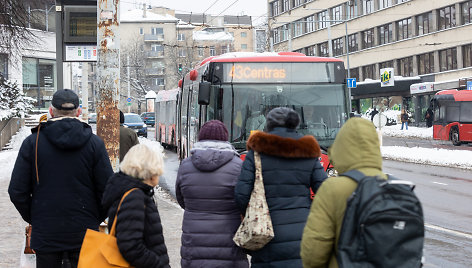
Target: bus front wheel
pixel 455 137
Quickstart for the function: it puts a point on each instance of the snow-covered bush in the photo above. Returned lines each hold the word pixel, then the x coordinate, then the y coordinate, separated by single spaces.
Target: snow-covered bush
pixel 12 101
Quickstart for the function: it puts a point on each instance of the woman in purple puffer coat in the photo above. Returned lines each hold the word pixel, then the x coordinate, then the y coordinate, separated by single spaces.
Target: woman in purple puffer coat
pixel 205 189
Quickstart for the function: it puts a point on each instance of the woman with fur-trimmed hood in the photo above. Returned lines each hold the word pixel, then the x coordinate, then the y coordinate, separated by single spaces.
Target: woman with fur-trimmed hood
pixel 290 167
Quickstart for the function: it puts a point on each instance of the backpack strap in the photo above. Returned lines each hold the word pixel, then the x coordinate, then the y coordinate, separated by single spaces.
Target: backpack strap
pixel 354 174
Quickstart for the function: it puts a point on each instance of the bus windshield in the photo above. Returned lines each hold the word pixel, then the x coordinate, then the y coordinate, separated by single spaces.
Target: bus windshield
pixel 321 107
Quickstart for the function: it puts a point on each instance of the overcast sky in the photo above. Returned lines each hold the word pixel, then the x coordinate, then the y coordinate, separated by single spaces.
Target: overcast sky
pixel 254 8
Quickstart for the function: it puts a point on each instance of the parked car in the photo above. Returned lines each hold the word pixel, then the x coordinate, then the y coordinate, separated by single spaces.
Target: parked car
pixel 134 122
pixel 149 118
pixel 92 118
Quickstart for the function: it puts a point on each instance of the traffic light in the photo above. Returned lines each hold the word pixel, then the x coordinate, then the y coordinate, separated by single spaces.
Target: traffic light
pixel 180 68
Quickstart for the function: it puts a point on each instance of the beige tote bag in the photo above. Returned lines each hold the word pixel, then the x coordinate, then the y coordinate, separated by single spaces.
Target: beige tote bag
pixel 256 228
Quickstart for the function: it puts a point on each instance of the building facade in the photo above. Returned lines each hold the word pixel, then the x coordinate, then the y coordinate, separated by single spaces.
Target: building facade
pixel 423 40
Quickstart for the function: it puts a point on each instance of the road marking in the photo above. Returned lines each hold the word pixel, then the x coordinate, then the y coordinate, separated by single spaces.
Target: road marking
pixel 449 231
pixel 440 183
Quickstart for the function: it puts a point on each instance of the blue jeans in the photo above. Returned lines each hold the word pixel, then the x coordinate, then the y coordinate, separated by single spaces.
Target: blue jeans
pixel 406 124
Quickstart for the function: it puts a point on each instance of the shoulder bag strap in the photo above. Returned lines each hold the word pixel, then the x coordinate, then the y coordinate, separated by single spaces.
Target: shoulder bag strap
pixel 113 227
pixel 257 161
pixel 354 174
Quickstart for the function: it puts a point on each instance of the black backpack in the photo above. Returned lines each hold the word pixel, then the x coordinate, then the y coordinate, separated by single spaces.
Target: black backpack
pixel 383 224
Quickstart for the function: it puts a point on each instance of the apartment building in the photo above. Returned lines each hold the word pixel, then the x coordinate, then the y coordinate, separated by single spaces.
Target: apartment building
pixel 425 42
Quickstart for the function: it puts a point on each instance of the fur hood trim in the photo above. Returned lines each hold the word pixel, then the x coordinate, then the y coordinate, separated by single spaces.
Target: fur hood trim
pixel 270 144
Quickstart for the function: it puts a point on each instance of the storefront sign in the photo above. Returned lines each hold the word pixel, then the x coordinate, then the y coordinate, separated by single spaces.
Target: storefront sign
pixel 422 88
pixel 387 77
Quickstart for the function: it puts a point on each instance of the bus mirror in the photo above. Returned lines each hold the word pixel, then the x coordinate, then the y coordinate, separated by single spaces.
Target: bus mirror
pixel 204 93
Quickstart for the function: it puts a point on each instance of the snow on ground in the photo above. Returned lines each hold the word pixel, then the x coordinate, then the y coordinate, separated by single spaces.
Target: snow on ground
pixel 412 132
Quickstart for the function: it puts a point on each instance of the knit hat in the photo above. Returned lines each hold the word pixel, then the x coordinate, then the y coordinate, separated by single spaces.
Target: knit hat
pixel 282 117
pixel 213 130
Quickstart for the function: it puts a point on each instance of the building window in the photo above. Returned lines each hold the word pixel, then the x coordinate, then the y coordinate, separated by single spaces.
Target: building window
pixel 351 9
pixel 368 38
pixel 338 45
pixel 310 24
pixel 4 65
pixel 386 64
pixel 39 80
pixel 212 51
pixel 243 34
pixel 405 66
pixel 158 81
pixel 354 73
pixel 310 51
pixel 276 35
pixel 404 29
pixel 426 63
pixel 181 37
pixel 385 3
pixel 423 23
pixel 141 31
pixel 285 5
pixel 466 12
pixel 467 55
pixel 298 28
pixel 182 52
pixel 368 71
pixel 337 12
pixel 352 43
pixel 243 46
pixel 385 34
pixel 275 8
pixel 447 17
pixel 157 31
pixel 201 51
pixel 447 59
pixel 324 49
pixel 297 3
pixel 367 6
pixel 322 19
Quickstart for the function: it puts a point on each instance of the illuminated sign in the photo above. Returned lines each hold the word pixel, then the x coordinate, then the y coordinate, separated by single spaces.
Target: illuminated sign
pixel 278 72
pixel 240 72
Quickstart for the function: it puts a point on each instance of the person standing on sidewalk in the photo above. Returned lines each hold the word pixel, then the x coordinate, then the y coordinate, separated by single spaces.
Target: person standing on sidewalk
pixel 429 116
pixel 404 118
pixel 138 230
pixel 58 181
pixel 128 138
pixel 205 189
pixel 290 167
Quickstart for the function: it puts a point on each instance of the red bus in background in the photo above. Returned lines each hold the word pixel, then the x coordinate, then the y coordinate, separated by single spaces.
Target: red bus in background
pixel 453 116
pixel 239 89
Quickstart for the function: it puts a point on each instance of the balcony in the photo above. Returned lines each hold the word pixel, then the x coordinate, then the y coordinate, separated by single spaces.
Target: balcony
pixel 155 71
pixel 157 88
pixel 153 38
pixel 154 54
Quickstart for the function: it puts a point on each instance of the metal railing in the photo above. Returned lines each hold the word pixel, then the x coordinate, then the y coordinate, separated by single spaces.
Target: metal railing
pixel 155 71
pixel 153 38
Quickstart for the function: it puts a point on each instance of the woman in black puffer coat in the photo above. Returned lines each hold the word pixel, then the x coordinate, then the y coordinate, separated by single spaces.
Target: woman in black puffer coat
pixel 138 230
pixel 290 167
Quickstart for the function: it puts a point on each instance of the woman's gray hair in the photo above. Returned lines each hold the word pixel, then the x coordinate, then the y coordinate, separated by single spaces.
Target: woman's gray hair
pixel 143 162
pixel 59 113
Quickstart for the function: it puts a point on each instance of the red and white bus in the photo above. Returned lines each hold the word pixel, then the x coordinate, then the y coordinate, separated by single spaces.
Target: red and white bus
pixel 453 116
pixel 240 88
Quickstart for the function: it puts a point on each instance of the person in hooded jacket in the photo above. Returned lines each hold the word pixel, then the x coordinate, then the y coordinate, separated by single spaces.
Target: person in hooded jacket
pixel 138 229
pixel 356 147
pixel 58 181
pixel 290 167
pixel 205 189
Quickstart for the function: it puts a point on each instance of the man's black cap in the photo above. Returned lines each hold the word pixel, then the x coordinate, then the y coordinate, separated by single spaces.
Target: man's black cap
pixel 64 96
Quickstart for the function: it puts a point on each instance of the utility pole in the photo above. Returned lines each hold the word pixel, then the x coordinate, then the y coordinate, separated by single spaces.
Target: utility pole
pixel 129 84
pixel 85 107
pixel 108 79
pixel 59 56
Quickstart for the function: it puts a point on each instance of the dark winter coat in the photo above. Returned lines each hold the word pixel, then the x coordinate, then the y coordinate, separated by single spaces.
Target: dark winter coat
pixel 128 139
pixel 290 166
pixel 73 167
pixel 205 189
pixel 138 229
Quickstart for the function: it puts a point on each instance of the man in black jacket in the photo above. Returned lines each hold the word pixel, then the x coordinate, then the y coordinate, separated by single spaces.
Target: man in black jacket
pixel 58 181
